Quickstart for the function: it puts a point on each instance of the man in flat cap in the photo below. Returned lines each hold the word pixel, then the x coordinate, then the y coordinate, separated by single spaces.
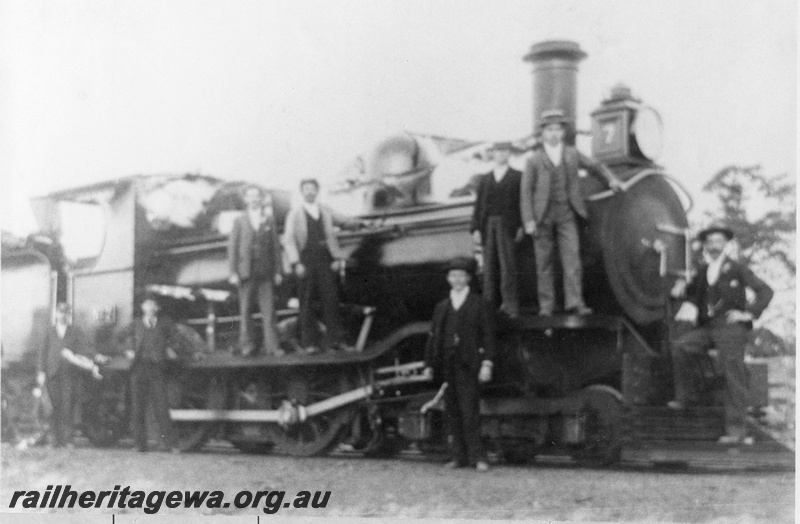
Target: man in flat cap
pixel 551 204
pixel 313 251
pixel 717 302
pixel 497 226
pixel 460 352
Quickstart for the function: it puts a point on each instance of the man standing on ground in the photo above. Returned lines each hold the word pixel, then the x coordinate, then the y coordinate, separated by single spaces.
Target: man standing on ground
pixel 551 204
pixel 496 227
pixel 254 256
pixel 718 303
pixel 460 350
pixel 152 340
pixel 59 368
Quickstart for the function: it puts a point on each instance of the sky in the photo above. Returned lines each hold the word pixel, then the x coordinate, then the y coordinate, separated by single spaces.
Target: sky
pixel 276 91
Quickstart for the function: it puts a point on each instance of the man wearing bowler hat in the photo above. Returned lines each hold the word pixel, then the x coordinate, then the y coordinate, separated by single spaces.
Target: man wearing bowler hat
pixel 717 302
pixel 460 352
pixel 552 206
pixel 153 340
pixel 496 226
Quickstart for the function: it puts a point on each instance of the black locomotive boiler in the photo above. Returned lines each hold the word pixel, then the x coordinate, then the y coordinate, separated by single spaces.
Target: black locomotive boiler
pixel 584 387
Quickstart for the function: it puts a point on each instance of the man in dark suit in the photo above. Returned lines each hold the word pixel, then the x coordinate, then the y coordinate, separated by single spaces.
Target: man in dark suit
pixel 460 351
pixel 61 359
pixel 717 302
pixel 153 340
pixel 254 256
pixel 497 226
pixel 551 204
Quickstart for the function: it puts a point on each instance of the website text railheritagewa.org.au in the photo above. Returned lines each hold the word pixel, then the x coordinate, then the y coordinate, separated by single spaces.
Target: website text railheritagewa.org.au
pixel 58 497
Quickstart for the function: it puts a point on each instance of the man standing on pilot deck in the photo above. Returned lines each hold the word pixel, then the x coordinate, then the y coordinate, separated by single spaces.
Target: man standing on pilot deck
pixel 552 205
pixel 496 227
pixel 312 249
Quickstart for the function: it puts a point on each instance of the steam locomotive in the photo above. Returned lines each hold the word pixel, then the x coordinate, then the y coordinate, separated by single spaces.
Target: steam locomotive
pixel 580 386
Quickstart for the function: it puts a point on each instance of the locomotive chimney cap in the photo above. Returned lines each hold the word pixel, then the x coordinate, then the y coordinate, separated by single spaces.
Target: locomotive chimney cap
pixel 553 116
pixel 564 49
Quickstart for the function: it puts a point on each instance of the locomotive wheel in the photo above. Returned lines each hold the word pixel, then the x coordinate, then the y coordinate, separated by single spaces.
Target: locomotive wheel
pixel 254 392
pixel 192 390
pixel 319 434
pixel 603 427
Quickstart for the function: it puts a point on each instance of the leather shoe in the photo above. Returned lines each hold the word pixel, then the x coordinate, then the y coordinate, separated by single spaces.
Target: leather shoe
pixel 481 466
pixel 454 464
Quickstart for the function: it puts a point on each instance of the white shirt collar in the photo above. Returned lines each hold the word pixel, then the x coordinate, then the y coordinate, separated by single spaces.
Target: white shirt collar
pixel 457 298
pixel 257 217
pixel 555 153
pixel 499 172
pixel 312 209
pixel 714 268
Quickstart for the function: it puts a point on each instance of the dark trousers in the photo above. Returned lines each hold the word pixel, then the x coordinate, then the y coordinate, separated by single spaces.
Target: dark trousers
pixel 319 280
pixel 729 340
pixel 498 250
pixel 149 386
pixel 263 288
pixel 463 415
pixel 63 391
pixel 559 225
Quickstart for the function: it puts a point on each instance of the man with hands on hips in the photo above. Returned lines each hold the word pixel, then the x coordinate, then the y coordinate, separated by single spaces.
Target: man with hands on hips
pixel 717 303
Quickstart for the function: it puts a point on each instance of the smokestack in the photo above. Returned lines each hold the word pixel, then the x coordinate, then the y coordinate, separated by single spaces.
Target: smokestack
pixel 555 80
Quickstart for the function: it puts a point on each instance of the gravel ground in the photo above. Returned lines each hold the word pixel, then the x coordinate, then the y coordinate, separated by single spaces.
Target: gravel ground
pixel 416 486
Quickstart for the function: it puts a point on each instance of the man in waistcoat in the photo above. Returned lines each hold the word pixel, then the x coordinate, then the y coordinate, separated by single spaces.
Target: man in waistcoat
pixel 496 227
pixel 460 352
pixel 153 341
pixel 552 206
pixel 312 249
pixel 717 302
pixel 254 257
pixel 62 356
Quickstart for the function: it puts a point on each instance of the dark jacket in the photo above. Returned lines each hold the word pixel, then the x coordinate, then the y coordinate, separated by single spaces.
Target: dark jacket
pixel 50 359
pixel 511 214
pixel 477 343
pixel 728 292
pixel 535 183
pixel 240 246
pixel 166 335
